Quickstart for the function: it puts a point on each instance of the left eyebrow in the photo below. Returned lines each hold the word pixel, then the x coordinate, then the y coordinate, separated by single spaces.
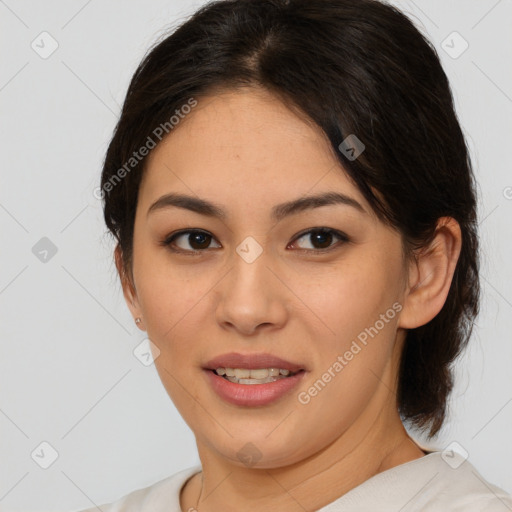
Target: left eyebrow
pixel 309 202
pixel 279 211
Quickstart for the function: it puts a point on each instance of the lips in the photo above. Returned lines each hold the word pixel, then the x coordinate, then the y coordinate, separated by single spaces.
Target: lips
pixel 252 361
pixel 253 395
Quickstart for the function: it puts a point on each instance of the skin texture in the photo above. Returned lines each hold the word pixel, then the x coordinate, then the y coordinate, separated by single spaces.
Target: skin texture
pixel 246 151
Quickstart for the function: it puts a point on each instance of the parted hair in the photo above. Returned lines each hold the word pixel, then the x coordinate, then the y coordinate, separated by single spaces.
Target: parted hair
pixel 351 67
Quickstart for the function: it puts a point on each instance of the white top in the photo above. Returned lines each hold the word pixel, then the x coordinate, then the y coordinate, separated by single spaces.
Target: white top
pixel 433 483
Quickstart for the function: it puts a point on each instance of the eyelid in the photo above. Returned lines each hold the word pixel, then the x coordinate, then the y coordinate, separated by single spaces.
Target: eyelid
pixel 339 234
pixel 168 240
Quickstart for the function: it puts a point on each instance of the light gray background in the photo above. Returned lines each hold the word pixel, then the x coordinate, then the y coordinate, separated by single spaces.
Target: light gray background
pixel 68 374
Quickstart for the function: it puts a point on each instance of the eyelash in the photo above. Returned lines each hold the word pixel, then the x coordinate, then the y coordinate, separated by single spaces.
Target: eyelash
pixel 168 241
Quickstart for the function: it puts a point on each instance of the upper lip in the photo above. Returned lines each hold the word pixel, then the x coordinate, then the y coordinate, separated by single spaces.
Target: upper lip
pixel 251 361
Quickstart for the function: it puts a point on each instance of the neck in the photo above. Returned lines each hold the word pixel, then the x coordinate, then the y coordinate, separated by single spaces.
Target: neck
pixel 377 441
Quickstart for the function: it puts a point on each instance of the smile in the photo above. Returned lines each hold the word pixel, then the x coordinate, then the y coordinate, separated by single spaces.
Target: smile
pixel 254 376
pixel 249 392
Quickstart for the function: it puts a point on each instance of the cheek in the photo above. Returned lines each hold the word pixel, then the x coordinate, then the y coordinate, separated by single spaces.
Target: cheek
pixel 350 298
pixel 174 306
pixel 168 293
pixel 359 308
pixel 174 309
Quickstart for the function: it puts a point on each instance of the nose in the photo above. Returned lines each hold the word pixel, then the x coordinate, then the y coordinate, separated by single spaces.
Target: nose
pixel 251 298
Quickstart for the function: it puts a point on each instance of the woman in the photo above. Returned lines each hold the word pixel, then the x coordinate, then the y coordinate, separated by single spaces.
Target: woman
pixel 294 210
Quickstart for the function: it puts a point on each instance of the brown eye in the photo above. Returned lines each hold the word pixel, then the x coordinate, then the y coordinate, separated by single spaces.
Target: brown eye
pixel 189 241
pixel 320 239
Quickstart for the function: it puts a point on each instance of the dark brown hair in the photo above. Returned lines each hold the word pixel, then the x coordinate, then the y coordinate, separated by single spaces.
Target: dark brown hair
pixel 352 67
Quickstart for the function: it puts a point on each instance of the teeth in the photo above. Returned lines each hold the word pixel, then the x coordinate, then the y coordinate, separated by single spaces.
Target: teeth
pixel 250 376
pixel 243 373
pixel 255 381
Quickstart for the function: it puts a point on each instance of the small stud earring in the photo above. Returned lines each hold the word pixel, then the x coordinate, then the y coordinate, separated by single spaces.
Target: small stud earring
pixel 138 320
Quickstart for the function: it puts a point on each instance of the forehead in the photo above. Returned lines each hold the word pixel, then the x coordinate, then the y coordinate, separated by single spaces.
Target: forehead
pixel 244 144
pixel 249 124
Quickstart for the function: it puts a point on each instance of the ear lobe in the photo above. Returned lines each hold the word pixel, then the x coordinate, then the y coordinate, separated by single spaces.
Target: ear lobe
pixel 431 274
pixel 129 292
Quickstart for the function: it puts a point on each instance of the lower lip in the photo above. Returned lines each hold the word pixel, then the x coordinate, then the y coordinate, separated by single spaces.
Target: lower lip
pixel 252 394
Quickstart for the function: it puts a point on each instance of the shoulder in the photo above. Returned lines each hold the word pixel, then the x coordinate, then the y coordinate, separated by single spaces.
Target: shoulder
pixel 438 481
pixel 447 481
pixel 460 486
pixel 160 496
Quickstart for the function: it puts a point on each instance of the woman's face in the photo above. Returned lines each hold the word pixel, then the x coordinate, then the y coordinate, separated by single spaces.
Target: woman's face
pixel 260 280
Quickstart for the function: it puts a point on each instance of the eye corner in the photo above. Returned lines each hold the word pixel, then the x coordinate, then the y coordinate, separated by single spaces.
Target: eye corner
pixel 169 241
pixel 343 239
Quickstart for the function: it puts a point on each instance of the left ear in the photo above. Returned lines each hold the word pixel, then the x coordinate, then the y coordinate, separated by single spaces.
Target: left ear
pixel 430 275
